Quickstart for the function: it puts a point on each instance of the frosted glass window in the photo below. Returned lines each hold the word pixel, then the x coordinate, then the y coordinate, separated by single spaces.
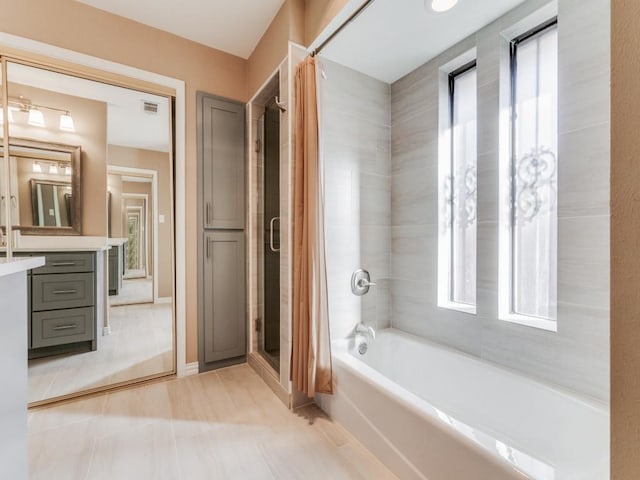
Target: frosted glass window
pixel 463 199
pixel 534 173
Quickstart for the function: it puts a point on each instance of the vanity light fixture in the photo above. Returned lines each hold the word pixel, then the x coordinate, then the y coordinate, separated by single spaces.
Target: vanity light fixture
pixel 37 168
pixel 66 122
pixel 67 170
pixel 36 118
pixel 441 5
pixel 53 169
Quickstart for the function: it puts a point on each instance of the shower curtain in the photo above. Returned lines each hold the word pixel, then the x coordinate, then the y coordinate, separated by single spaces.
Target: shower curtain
pixel 311 350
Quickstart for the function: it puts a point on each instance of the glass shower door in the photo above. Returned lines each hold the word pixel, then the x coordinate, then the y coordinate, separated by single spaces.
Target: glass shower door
pixel 269 236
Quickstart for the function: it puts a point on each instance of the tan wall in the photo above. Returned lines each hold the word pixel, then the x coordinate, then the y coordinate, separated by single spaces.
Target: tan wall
pixel 78 27
pixel 159 161
pixel 318 14
pixel 75 26
pixel 625 240
pixel 90 119
pixel 114 185
pixel 298 21
pixel 288 25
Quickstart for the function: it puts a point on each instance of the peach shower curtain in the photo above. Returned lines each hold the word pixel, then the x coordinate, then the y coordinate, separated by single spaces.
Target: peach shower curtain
pixel 311 352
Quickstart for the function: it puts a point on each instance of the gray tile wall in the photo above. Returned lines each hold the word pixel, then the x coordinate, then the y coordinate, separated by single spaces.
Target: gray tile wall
pixel 577 356
pixel 357 152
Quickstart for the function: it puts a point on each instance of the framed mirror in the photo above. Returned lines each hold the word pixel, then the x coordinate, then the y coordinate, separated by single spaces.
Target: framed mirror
pixel 46 191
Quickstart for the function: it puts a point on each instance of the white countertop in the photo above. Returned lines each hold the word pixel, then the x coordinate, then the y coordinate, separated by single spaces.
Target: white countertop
pixel 71 243
pixel 45 249
pixel 19 264
pixel 116 242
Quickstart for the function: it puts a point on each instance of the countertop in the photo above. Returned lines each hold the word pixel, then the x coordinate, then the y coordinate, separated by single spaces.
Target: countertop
pixel 19 264
pixel 71 243
pixel 116 242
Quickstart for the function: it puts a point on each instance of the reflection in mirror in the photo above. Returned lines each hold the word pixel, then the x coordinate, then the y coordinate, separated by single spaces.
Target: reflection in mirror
pixel 46 196
pixel 51 203
pixel 111 321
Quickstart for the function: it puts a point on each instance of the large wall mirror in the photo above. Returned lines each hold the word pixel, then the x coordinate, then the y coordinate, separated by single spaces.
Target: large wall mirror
pixel 89 187
pixel 46 190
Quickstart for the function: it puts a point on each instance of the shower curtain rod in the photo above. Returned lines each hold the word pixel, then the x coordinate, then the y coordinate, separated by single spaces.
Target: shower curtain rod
pixel 351 18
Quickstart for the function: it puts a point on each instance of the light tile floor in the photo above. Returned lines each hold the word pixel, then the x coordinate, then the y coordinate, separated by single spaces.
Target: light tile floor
pixel 134 290
pixel 140 344
pixel 220 425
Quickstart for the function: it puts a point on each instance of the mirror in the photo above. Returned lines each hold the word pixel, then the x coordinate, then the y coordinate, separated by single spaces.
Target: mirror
pixel 51 203
pixel 46 191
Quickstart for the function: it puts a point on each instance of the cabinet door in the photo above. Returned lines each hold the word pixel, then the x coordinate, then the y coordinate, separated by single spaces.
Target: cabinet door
pixel 224 296
pixel 222 147
pixel 113 271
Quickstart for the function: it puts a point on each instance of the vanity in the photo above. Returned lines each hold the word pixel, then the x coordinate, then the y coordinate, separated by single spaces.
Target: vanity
pixel 62 303
pixel 117 256
pixel 13 371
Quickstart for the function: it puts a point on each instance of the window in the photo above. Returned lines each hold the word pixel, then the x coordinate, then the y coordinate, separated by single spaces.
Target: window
pixel 460 191
pixel 534 173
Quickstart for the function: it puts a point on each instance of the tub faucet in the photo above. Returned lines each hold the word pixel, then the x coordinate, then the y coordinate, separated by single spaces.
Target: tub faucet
pixel 364 330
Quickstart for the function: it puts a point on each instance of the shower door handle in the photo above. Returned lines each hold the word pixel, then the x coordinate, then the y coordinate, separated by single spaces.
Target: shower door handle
pixel 271 243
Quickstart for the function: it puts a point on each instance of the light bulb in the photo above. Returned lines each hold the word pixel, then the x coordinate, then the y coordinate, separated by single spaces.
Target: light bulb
pixel 67 170
pixel 66 123
pixel 37 168
pixel 443 5
pixel 35 118
pixel 53 169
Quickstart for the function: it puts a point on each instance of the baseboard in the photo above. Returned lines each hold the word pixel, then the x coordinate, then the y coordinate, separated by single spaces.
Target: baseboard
pixel 163 300
pixel 106 330
pixel 191 369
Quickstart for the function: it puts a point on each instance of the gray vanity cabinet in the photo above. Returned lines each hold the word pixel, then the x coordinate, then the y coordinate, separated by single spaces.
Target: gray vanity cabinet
pixel 62 304
pixel 222 314
pixel 224 299
pixel 222 124
pixel 116 269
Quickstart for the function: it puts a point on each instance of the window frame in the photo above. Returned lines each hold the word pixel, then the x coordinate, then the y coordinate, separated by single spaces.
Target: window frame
pixel 451 82
pixel 513 315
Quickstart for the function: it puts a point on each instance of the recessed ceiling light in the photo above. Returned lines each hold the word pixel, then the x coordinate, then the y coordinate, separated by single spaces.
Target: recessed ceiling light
pixel 443 5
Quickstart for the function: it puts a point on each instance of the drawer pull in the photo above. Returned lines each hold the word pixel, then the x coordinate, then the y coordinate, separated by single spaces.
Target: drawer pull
pixel 65 327
pixel 64 292
pixel 63 264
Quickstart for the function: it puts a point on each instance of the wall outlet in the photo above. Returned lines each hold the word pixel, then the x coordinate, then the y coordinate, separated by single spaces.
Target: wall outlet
pixel 161 218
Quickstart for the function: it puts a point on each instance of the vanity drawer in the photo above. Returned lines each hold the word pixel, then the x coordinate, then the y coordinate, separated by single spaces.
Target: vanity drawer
pixel 68 290
pixel 62 326
pixel 66 263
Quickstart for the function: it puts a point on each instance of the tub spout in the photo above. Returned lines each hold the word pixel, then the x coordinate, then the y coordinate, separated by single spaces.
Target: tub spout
pixel 364 330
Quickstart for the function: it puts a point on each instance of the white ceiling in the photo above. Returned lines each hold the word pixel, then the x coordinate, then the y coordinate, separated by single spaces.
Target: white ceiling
pixel 393 37
pixel 127 124
pixel 233 26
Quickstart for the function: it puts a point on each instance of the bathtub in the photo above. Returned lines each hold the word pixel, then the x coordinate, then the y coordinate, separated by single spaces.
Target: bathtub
pixel 429 412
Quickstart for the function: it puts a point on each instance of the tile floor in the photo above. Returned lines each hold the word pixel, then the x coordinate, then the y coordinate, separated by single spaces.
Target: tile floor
pixel 140 344
pixel 134 290
pixel 222 425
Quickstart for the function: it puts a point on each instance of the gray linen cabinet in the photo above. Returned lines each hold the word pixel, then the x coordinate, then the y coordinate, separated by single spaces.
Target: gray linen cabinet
pixel 221 244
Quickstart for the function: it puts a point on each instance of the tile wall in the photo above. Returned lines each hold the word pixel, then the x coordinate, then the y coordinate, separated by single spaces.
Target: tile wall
pixel 577 356
pixel 356 112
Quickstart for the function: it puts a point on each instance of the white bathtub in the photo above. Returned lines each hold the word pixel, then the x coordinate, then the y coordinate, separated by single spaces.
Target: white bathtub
pixel 429 412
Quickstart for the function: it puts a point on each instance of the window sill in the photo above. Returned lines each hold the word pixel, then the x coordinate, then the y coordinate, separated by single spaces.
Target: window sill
pixel 460 307
pixel 534 322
